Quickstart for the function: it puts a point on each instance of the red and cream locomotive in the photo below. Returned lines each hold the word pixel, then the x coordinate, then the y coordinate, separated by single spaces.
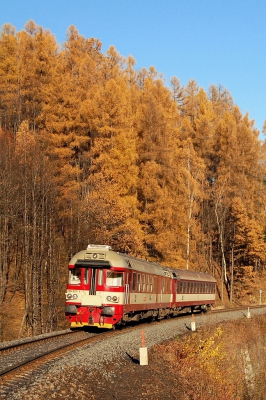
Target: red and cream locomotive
pixel 106 288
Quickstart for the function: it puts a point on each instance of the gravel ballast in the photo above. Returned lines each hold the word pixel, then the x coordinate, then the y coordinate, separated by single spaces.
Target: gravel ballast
pixel 109 369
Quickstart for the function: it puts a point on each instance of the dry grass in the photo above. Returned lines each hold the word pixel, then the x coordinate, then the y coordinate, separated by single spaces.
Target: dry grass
pixel 223 362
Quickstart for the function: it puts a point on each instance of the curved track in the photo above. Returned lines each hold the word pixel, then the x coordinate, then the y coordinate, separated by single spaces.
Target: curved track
pixel 27 357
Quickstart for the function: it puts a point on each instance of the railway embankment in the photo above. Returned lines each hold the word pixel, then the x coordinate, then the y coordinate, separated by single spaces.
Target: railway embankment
pixel 223 358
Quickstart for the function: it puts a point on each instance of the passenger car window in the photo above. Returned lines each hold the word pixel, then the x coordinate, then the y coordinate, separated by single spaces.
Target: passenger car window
pixel 134 283
pixel 143 283
pixel 138 282
pixel 151 279
pixel 114 278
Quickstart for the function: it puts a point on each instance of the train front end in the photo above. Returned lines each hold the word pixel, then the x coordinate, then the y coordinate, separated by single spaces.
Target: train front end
pixel 95 289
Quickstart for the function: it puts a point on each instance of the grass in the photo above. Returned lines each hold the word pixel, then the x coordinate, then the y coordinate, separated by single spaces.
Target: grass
pixel 220 362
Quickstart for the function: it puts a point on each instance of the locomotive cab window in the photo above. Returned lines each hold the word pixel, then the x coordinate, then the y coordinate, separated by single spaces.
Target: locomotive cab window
pixel 86 276
pixel 114 278
pixel 75 276
pixel 100 277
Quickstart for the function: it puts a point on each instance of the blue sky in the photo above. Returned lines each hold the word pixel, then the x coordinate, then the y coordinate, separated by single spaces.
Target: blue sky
pixel 221 42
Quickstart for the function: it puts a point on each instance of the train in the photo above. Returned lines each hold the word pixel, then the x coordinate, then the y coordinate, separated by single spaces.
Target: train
pixel 108 289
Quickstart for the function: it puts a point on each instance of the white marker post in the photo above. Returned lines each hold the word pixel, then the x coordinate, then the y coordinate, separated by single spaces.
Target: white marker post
pixel 248 313
pixel 193 324
pixel 143 351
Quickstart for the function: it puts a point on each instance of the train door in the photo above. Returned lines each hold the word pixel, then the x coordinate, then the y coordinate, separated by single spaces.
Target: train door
pixel 127 288
pixel 174 289
pixel 159 292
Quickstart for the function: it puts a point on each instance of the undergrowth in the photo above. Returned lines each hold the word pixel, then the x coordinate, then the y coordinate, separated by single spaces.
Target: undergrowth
pixel 220 362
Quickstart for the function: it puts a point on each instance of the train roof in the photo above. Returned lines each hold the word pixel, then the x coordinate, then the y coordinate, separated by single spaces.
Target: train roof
pixel 104 255
pixel 193 275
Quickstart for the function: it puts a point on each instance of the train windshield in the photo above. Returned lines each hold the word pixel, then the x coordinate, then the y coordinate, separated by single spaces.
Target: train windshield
pixel 114 278
pixel 75 276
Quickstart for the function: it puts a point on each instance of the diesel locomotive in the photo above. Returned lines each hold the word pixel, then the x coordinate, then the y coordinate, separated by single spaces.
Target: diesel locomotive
pixel 106 289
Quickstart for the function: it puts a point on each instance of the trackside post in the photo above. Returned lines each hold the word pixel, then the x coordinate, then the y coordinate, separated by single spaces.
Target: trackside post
pixel 193 324
pixel 143 351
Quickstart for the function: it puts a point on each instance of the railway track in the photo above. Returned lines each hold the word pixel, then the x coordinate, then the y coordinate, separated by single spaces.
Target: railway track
pixel 240 308
pixel 28 357
pixel 19 360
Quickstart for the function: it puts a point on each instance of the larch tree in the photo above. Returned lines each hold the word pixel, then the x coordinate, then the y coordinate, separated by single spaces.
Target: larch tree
pixel 248 248
pixel 66 132
pixel 236 171
pixel 112 198
pixel 193 172
pixel 37 52
pixel 159 177
pixel 10 265
pixel 35 233
pixel 196 139
pixel 9 78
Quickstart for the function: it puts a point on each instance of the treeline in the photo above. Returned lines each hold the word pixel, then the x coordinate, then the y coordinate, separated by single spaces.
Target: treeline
pixel 93 151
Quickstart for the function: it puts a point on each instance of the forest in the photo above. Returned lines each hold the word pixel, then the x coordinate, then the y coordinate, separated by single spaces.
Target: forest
pixel 94 151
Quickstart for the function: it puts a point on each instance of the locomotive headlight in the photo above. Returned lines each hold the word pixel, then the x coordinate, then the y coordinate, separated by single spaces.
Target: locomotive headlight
pixel 108 298
pixel 114 298
pixel 69 296
pixel 75 296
